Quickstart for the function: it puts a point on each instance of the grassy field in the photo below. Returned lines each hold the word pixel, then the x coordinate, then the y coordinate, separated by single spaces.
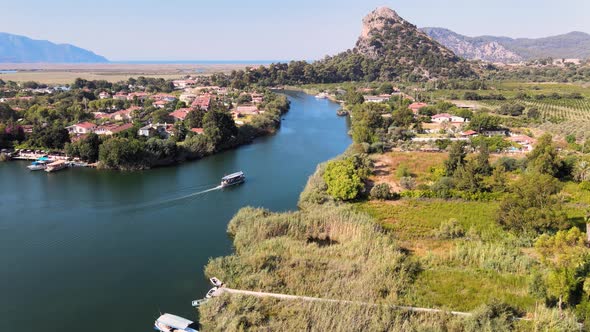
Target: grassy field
pixel 458 274
pixel 415 219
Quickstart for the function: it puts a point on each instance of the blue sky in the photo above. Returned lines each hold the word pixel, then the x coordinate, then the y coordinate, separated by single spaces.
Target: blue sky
pixel 265 29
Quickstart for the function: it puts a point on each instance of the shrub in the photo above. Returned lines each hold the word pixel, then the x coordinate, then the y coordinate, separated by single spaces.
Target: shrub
pixel 315 189
pixel 407 182
pixel 585 185
pixel 381 191
pixel 511 164
pixel 443 187
pixel 377 147
pixel 403 171
pixel 492 256
pixel 495 316
pixel 450 229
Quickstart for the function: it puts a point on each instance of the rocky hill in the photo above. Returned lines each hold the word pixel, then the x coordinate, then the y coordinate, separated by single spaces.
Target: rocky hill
pixel 21 49
pixel 503 49
pixel 392 48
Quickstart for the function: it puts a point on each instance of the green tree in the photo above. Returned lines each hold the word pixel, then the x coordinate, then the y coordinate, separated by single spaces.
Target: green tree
pixel 532 205
pixel 220 129
pixel 403 117
pixel 86 149
pixel 194 118
pixel 567 257
pixel 386 88
pixel 545 158
pixel 343 180
pixel 482 121
pixel 123 153
pixel 367 121
pixel 353 97
pixel 456 158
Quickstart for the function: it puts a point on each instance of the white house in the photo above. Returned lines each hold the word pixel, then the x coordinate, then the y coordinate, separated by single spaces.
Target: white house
pixel 82 128
pixel 446 117
pixel 377 99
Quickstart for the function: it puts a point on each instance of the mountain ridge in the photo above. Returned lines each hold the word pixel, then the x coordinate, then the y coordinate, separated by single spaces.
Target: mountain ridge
pixel 575 44
pixel 22 49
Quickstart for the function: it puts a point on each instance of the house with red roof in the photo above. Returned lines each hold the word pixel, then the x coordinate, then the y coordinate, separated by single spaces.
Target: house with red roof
pixel 160 103
pixel 415 107
pixel 198 131
pixel 120 95
pixel 141 96
pixel 82 128
pixel 112 129
pixel 180 114
pixel 469 133
pixel 124 115
pixel 525 141
pixel 202 102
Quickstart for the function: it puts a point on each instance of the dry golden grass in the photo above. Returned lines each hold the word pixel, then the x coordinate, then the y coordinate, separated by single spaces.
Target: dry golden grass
pixel 418 163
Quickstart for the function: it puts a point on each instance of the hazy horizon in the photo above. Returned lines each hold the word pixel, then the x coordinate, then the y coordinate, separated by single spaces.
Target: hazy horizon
pixel 265 31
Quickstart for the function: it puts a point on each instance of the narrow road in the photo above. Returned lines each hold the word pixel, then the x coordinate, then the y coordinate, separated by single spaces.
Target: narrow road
pixel 223 290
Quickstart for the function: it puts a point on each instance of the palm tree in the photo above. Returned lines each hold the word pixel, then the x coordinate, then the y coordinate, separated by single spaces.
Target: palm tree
pixel 582 171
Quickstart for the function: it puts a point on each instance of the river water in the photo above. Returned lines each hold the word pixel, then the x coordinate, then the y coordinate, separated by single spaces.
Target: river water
pixel 92 250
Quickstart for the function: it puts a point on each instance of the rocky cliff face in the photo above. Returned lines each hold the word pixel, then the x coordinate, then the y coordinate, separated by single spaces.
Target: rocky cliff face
pixel 473 48
pixel 508 50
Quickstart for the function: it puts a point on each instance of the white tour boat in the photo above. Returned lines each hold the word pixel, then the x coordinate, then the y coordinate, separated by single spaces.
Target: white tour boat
pixel 232 179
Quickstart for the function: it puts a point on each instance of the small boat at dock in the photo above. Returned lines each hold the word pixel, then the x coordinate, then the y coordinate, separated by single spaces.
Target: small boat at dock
pixel 233 179
pixel 216 282
pixel 173 323
pixel 56 166
pixel 322 95
pixel 37 166
pixel 342 112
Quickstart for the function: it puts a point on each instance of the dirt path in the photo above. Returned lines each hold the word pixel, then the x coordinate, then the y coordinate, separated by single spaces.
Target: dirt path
pixel 224 290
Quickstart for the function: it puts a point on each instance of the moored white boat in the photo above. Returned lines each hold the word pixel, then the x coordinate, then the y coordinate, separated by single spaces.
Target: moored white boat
pixel 37 166
pixel 56 166
pixel 322 95
pixel 216 282
pixel 173 323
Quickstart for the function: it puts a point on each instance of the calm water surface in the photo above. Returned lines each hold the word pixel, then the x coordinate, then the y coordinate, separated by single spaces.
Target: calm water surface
pixel 106 251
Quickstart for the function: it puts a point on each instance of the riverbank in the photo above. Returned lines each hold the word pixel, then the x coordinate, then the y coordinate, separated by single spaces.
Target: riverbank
pixel 385 253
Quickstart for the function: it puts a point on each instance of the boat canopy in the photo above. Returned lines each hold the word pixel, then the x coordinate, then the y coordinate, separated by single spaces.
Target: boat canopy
pixel 231 176
pixel 174 321
pixel 44 159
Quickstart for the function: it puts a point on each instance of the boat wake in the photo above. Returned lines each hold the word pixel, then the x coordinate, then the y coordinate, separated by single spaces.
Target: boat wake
pixel 165 202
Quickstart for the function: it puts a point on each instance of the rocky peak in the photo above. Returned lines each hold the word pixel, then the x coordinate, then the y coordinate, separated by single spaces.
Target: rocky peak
pixel 378 19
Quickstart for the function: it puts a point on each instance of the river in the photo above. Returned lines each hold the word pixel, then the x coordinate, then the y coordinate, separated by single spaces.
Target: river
pixel 92 250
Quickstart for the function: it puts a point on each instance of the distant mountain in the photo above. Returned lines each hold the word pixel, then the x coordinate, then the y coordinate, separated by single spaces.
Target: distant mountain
pixel 20 49
pixel 391 48
pixel 503 49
